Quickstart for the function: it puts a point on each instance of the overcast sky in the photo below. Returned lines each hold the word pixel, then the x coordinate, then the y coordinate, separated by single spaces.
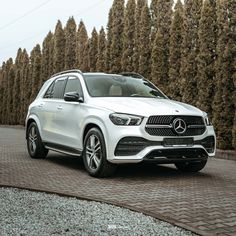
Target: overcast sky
pixel 24 23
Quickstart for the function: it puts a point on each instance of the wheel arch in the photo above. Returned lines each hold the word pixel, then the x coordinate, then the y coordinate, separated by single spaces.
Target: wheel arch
pixel 33 118
pixel 90 126
pixel 91 123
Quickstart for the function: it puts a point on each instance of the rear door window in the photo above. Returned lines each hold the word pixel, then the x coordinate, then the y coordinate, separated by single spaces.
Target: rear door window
pixel 59 88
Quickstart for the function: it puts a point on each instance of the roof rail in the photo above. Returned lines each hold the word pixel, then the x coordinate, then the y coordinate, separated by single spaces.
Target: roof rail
pixel 132 74
pixel 67 71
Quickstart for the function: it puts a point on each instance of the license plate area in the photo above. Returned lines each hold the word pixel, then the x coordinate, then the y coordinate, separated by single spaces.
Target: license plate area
pixel 171 142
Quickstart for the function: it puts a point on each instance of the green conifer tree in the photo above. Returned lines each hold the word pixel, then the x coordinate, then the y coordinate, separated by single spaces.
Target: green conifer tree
pixel 161 11
pixel 5 70
pixel 101 63
pixel 1 90
pixel 176 32
pixel 30 76
pixel 10 84
pixel 93 50
pixel 137 41
pixel 59 48
pixel 234 101
pixel 17 87
pixel 190 49
pixel 223 104
pixel 206 57
pixel 51 56
pixel 128 36
pixel 36 69
pixel 109 41
pixel 46 58
pixel 70 44
pixel 145 49
pixel 154 11
pixel 82 48
pixel 25 81
pixel 232 55
pixel 158 62
pixel 117 36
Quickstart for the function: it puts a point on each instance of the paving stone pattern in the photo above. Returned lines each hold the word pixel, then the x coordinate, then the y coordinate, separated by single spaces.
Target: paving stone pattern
pixel 204 203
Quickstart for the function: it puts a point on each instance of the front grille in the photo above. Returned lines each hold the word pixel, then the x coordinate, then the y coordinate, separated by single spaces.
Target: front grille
pixel 166 120
pixel 169 131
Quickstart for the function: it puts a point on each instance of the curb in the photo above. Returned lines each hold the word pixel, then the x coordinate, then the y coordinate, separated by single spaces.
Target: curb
pixel 12 126
pixel 226 154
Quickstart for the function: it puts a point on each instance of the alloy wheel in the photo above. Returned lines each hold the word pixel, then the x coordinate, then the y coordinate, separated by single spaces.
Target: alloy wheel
pixel 32 139
pixel 93 152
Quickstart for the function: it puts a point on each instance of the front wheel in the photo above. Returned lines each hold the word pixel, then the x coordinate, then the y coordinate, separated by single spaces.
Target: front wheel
pixel 94 155
pixel 191 166
pixel 35 146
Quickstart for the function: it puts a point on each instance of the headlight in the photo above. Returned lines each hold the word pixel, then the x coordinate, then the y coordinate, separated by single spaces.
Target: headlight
pixel 207 121
pixel 125 119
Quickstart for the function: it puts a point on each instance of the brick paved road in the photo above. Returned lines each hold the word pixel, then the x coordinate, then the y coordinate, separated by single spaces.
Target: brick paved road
pixel 204 203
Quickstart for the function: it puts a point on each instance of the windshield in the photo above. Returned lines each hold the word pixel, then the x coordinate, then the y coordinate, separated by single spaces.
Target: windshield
pixel 120 86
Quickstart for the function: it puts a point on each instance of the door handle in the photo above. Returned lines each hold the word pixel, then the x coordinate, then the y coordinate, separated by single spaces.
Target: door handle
pixel 59 107
pixel 40 105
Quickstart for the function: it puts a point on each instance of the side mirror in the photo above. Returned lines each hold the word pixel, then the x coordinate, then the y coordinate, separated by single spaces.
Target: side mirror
pixel 73 97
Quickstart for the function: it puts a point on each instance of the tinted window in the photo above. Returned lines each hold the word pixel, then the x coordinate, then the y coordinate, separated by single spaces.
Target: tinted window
pixel 73 85
pixel 120 86
pixel 59 88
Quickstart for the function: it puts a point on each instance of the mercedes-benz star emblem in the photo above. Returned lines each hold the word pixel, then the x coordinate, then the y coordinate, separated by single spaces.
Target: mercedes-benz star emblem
pixel 179 126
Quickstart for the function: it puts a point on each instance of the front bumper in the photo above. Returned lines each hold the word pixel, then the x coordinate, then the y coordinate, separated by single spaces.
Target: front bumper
pixel 141 146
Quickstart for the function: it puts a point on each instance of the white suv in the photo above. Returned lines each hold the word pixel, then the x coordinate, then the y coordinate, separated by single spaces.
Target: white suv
pixel 110 119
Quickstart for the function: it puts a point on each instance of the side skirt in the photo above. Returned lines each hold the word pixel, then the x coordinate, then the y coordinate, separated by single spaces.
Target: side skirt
pixel 63 149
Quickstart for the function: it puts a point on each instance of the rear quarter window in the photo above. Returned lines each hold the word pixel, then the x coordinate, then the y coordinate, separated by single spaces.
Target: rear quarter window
pixel 49 92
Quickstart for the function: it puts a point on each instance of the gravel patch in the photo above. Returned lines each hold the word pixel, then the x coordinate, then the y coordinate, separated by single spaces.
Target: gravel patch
pixel 26 213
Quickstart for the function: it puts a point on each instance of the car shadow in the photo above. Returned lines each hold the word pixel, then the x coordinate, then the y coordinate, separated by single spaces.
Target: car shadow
pixel 71 162
pixel 129 171
pixel 151 171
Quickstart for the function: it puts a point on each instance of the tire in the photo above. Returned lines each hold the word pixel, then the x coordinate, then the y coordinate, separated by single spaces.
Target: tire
pixel 191 166
pixel 35 146
pixel 94 155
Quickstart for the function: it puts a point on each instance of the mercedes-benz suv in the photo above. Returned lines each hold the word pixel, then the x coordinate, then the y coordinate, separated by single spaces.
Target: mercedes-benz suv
pixel 110 119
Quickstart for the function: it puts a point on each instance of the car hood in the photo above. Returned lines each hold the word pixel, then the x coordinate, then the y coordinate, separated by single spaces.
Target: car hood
pixel 145 106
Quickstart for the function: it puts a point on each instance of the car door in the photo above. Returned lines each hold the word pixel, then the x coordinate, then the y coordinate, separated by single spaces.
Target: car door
pixel 72 114
pixel 52 114
pixel 43 113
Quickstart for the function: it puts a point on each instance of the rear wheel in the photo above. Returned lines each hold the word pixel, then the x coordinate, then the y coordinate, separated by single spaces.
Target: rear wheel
pixel 35 146
pixel 191 166
pixel 94 155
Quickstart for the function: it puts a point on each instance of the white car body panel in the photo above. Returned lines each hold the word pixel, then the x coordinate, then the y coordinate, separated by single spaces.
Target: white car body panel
pixel 149 106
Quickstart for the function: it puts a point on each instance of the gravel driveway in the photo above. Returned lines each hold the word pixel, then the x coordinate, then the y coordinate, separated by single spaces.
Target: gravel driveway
pixel 26 213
